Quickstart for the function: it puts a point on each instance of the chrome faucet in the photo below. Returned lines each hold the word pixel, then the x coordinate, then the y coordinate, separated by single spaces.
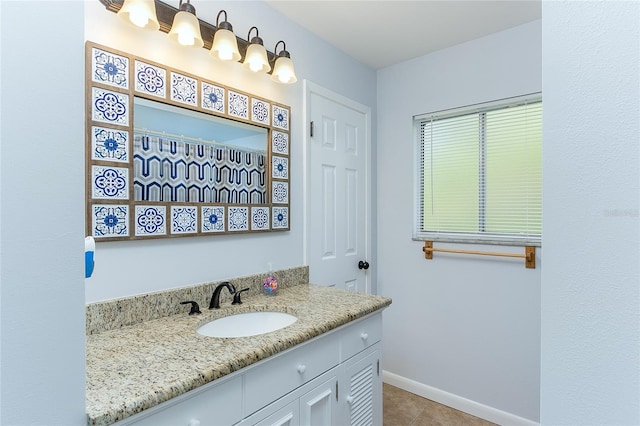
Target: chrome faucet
pixel 215 298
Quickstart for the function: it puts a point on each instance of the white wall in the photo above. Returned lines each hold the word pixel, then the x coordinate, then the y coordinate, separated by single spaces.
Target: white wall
pixel 42 214
pixel 468 326
pixel 135 267
pixel 590 281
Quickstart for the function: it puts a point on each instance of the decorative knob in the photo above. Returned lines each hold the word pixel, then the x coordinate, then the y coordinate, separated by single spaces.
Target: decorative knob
pixel 364 336
pixel 350 400
pixel 302 368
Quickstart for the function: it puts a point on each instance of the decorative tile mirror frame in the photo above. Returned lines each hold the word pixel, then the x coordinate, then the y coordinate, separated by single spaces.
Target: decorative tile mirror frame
pixel 115 212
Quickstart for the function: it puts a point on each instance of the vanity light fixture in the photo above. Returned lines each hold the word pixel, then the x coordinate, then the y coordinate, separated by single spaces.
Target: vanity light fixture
pixel 283 68
pixel 225 45
pixel 141 13
pixel 256 57
pixel 186 26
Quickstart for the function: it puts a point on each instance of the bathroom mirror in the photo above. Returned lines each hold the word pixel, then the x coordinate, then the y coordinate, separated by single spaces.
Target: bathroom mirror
pixel 181 155
pixel 170 154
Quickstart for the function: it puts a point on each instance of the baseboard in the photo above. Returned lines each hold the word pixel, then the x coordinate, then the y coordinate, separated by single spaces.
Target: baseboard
pixel 454 401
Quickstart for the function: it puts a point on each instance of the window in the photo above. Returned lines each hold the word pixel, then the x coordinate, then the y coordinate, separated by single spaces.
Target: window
pixel 480 173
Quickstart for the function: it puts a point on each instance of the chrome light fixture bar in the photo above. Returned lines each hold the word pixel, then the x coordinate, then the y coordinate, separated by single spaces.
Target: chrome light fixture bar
pixel 166 14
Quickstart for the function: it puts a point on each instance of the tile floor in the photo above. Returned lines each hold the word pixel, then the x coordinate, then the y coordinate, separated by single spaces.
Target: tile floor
pixel 401 408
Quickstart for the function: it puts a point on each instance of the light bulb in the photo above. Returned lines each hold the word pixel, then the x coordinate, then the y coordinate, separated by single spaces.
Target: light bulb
pixel 139 17
pixel 225 53
pixel 186 39
pixel 255 66
pixel 284 76
pixel 139 13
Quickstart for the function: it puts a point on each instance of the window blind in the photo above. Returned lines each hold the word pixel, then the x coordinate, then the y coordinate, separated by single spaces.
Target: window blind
pixel 480 174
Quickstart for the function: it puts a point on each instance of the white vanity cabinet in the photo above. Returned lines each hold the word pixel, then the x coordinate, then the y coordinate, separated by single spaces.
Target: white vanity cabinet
pixel 211 404
pixel 350 393
pixel 333 379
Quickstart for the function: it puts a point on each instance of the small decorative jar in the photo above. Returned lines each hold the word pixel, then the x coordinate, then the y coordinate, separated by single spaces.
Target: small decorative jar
pixel 270 284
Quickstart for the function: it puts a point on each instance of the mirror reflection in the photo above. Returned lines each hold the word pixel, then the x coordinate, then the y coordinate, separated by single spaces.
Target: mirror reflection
pixel 182 155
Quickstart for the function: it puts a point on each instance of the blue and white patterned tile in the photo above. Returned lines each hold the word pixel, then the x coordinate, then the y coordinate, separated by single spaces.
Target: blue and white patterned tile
pixel 238 105
pixel 184 219
pixel 183 89
pixel 259 218
pixel 213 97
pixel 150 220
pixel 260 111
pixel 279 192
pixel 151 79
pixel 109 107
pixel 213 219
pixel 279 142
pixel 280 218
pixel 110 220
pixel 109 68
pixel 279 167
pixel 110 183
pixel 109 144
pixel 238 218
pixel 280 117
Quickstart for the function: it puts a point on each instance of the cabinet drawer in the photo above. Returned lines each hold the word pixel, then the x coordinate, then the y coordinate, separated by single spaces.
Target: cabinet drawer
pixel 360 335
pixel 218 404
pixel 287 371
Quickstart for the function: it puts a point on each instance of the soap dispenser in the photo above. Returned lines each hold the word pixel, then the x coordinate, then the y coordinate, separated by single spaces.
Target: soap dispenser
pixel 270 282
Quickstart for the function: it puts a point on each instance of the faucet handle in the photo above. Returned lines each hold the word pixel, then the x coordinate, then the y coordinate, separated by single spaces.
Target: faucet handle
pixel 236 296
pixel 195 309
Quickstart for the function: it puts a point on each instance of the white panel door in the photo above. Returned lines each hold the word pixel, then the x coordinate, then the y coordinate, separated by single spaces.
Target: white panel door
pixel 337 216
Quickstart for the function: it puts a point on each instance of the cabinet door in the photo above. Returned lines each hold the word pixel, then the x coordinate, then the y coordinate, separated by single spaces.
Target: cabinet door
pixel 361 387
pixel 319 406
pixel 286 416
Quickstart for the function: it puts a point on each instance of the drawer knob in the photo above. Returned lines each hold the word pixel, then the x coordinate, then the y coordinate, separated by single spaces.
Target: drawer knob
pixel 350 400
pixel 302 368
pixel 194 422
pixel 364 336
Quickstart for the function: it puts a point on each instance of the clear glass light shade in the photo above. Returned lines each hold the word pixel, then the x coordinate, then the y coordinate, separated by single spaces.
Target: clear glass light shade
pixel 225 46
pixel 141 13
pixel 186 30
pixel 283 71
pixel 256 58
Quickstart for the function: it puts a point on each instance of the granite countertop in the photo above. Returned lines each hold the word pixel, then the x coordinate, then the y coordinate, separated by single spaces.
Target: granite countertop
pixel 139 366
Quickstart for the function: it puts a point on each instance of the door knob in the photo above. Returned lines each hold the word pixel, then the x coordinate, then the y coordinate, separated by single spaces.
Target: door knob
pixel 363 264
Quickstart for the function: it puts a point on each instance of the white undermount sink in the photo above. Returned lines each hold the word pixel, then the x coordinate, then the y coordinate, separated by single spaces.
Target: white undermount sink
pixel 246 324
